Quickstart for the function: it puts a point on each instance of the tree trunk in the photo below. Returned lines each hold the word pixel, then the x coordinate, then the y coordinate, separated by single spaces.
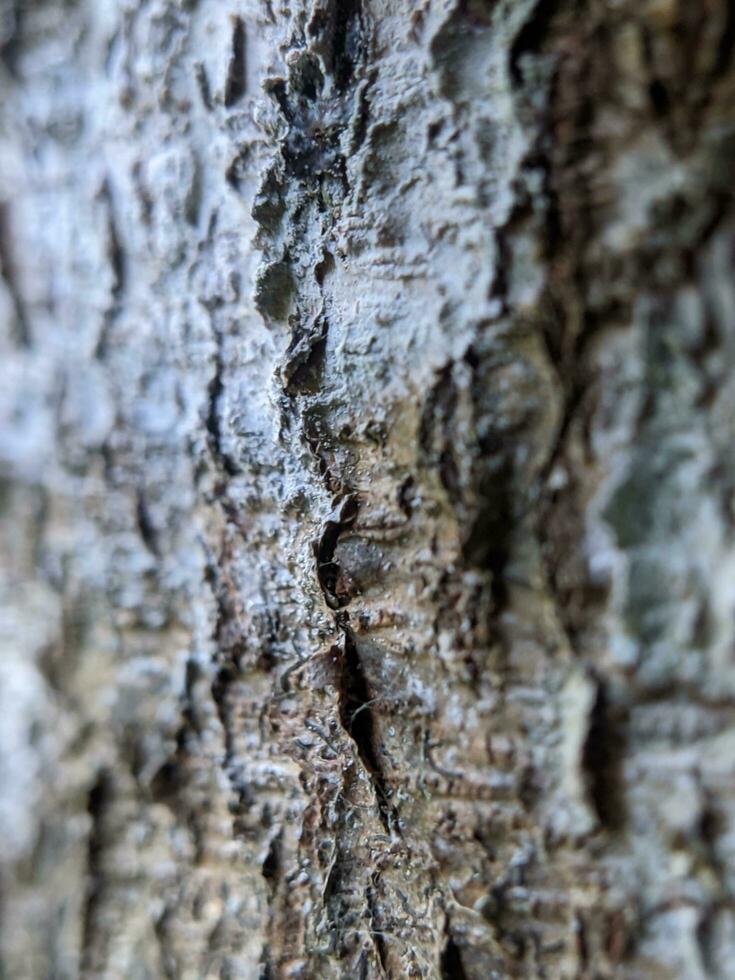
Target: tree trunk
pixel 368 502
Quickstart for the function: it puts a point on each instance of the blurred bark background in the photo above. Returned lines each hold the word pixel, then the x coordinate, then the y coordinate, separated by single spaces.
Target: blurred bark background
pixel 368 515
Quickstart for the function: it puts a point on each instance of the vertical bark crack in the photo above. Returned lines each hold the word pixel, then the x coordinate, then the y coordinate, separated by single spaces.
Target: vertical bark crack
pixel 98 802
pixel 236 84
pixel 358 721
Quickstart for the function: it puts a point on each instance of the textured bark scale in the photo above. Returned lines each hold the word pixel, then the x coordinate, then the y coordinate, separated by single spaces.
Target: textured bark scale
pixel 368 491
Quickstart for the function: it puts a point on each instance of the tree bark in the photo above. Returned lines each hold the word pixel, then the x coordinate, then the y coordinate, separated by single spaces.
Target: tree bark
pixel 368 501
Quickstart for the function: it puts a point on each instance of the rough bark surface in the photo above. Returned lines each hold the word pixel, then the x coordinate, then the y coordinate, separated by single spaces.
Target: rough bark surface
pixel 368 502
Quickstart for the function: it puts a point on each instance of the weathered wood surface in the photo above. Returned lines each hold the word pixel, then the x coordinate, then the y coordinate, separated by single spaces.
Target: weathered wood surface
pixel 368 547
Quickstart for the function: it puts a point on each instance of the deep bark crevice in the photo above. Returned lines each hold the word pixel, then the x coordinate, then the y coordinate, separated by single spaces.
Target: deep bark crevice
pixel 98 803
pixel 602 754
pixel 236 85
pixel 357 718
pixel 451 966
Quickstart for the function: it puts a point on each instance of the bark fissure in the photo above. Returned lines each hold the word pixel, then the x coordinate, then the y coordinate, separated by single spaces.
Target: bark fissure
pixel 8 274
pixel 356 715
pixel 373 367
pixel 98 801
pixel 236 85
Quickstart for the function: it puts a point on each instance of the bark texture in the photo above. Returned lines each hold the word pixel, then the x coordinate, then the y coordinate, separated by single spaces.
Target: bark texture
pixel 368 499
